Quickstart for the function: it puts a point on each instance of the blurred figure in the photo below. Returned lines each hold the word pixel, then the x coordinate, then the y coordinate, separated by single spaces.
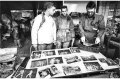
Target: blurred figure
pixel 16 34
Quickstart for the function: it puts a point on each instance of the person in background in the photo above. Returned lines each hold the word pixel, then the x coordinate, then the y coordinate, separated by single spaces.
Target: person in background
pixel 92 25
pixel 65 29
pixel 16 34
pixel 44 28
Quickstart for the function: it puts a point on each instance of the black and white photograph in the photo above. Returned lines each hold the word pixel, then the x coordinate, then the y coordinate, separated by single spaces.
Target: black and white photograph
pixel 46 32
pixel 44 73
pixel 48 53
pixel 25 73
pixel 19 73
pixel 30 73
pixel 54 70
pixel 72 59
pixel 71 70
pixel 88 58
pixel 36 54
pixel 110 62
pixel 102 60
pixel 38 63
pixel 55 60
pixel 64 52
pixel 93 66
pixel 75 50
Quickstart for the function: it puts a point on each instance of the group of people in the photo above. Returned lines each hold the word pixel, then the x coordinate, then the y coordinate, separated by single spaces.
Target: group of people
pixel 48 31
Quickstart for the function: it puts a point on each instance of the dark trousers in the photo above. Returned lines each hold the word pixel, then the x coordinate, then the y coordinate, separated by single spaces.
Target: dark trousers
pixel 45 46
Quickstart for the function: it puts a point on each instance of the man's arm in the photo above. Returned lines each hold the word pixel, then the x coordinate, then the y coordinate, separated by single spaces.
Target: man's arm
pixel 101 27
pixel 54 31
pixel 35 28
pixel 72 32
pixel 81 27
pixel 57 23
pixel 72 28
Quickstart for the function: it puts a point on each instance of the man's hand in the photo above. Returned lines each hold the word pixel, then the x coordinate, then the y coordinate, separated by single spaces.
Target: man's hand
pixel 55 42
pixel 58 44
pixel 35 46
pixel 97 40
pixel 83 39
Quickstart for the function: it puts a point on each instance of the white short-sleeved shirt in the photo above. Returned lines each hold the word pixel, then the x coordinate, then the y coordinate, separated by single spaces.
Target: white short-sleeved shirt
pixel 46 33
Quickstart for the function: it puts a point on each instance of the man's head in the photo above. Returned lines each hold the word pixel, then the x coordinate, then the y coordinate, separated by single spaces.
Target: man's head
pixel 50 8
pixel 64 10
pixel 91 8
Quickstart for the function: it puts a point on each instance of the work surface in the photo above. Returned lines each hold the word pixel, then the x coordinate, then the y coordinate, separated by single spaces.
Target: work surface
pixel 69 62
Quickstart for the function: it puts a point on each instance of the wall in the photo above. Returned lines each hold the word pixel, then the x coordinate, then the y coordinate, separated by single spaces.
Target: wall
pixel 106 8
pixel 76 6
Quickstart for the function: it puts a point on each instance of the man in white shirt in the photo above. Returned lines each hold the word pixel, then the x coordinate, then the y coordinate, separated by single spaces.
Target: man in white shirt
pixel 44 33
